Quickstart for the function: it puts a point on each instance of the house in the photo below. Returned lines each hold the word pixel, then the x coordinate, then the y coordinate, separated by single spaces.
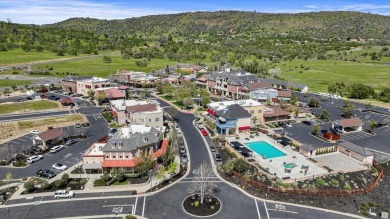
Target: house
pixel 357 152
pixel 86 85
pixel 265 94
pixel 232 120
pixel 137 112
pixel 229 83
pixel 69 83
pixel 201 82
pixel 275 114
pixel 284 96
pixel 124 150
pixel 255 108
pixel 50 137
pixel 112 93
pixel 350 124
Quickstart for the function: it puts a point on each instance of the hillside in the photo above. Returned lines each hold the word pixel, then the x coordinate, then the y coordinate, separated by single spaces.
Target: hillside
pixel 315 24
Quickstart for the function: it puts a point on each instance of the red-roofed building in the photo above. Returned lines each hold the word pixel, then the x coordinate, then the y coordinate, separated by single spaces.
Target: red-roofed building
pixel 274 114
pixel 49 138
pixel 284 96
pixel 352 123
pixel 112 93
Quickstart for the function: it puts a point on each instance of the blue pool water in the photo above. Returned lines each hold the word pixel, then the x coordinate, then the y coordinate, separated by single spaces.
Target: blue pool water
pixel 264 149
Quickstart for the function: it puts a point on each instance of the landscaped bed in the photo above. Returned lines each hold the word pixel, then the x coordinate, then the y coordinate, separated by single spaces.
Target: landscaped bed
pixel 210 206
pixel 6 193
pixel 42 185
pixel 378 198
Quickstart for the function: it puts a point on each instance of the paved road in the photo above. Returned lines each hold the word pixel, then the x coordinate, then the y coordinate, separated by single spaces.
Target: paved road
pixel 164 204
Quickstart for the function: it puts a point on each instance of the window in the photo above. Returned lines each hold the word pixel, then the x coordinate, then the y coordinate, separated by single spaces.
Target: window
pixel 150 120
pixel 113 156
pixel 107 156
pixel 127 156
pixel 157 119
pixel 259 111
pixel 120 156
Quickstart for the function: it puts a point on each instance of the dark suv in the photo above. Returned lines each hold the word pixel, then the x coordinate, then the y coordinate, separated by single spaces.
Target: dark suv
pixel 306 122
pixel 46 173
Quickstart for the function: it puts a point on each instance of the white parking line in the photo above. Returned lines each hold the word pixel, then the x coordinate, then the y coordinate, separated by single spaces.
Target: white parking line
pixel 257 207
pixel 143 208
pixel 266 210
pixel 135 205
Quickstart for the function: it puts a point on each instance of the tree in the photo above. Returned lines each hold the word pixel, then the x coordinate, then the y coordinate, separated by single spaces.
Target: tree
pixel 8 178
pixel 65 177
pixel 316 129
pixel 360 91
pixel 373 124
pixel 172 167
pixel 90 92
pixel 347 109
pixel 294 99
pixel 144 164
pixel 107 59
pixel 167 89
pixel 161 172
pixel 325 114
pixel 59 183
pixel 29 186
pixel 313 102
pixel 201 183
pixel 254 119
pixel 228 167
pixel 241 166
pixel 188 102
pixel 102 98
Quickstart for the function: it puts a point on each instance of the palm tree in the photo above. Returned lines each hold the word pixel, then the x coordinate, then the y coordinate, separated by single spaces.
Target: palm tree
pixel 325 114
pixel 373 124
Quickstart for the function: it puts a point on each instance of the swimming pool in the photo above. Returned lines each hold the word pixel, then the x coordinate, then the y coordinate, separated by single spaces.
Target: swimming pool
pixel 264 149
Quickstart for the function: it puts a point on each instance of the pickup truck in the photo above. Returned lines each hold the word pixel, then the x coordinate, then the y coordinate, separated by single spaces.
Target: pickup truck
pixel 46 173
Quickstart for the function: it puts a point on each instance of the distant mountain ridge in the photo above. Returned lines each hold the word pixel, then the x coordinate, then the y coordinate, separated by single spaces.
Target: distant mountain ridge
pixel 315 24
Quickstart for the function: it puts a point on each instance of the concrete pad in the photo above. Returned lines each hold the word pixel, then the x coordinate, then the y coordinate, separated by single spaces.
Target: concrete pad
pixel 339 162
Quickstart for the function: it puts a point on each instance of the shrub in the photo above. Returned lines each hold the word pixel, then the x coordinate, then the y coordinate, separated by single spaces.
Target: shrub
pixel 130 217
pixel 241 166
pixel 46 186
pixel 65 177
pixel 121 177
pixel 24 178
pixel 347 187
pixel 371 204
pixel 59 183
pixel 196 203
pixel 342 178
pixel 29 186
pixel 99 182
pixel 335 182
pixel 84 181
pixel 321 182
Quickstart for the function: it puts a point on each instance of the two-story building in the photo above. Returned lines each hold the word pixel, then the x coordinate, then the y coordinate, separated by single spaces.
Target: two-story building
pixel 69 83
pixel 232 120
pixel 248 88
pixel 83 86
pixel 112 93
pixel 264 95
pixel 284 96
pixel 146 114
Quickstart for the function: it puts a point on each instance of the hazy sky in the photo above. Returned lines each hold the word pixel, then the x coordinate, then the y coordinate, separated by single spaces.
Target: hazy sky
pixel 51 11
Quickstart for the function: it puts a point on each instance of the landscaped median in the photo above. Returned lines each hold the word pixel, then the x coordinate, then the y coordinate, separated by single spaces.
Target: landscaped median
pixel 38 185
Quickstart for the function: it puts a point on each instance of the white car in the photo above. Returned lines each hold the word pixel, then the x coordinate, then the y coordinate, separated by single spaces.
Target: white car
pixel 36 132
pixel 200 126
pixel 34 159
pixel 57 148
pixel 59 166
pixel 64 194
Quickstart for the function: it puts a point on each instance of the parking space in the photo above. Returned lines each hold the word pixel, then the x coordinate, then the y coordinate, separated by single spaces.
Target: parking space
pixel 350 136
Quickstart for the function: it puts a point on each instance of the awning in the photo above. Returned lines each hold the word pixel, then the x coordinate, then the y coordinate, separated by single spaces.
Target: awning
pixel 92 166
pixel 243 128
pixel 114 114
pixel 208 110
pixel 119 163
pixel 222 119
pixel 212 112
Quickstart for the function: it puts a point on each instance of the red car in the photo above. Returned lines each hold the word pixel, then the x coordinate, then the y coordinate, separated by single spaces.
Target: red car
pixel 204 132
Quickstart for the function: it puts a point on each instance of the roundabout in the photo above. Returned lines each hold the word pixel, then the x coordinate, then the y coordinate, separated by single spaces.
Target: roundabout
pixel 193 206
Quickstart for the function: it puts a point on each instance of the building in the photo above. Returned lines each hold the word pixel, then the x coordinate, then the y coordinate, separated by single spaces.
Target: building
pixel 174 79
pixel 86 85
pixel 264 95
pixel 275 114
pixel 232 120
pixel 278 84
pixel 137 112
pixel 124 150
pixel 229 83
pixel 69 83
pixel 351 124
pixel 247 89
pixel 135 79
pixel 284 96
pixel 50 137
pixel 255 108
pixel 112 93
pixel 357 152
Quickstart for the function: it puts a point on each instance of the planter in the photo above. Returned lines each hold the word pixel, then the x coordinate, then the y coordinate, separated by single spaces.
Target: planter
pixel 210 206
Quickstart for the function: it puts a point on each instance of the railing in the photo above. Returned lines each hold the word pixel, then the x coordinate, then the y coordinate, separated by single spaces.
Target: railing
pixel 324 192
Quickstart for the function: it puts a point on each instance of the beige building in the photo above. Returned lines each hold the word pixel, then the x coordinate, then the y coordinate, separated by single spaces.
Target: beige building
pixel 93 158
pixel 83 86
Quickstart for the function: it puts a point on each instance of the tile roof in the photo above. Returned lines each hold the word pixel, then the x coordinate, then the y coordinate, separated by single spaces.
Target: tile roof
pixel 234 111
pixel 276 112
pixel 120 163
pixel 258 85
pixel 351 122
pixel 356 148
pixel 284 93
pixel 162 149
pixel 115 93
pixel 141 108
pixel 50 134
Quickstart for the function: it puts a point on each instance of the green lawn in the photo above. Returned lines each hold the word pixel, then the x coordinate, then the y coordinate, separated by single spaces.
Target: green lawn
pixel 27 106
pixel 322 72
pixel 9 83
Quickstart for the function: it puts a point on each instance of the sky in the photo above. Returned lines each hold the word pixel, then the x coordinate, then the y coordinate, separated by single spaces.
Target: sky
pixel 52 11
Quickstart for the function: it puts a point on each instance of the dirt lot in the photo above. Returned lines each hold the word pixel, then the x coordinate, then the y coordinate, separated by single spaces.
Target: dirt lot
pixel 12 130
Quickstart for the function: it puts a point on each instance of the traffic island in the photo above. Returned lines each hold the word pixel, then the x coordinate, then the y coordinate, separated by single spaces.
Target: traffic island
pixel 192 205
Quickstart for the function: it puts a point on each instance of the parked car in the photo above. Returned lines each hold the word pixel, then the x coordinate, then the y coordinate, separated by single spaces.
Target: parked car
pixel 218 157
pixel 29 98
pixel 182 150
pixel 34 159
pixel 306 122
pixel 64 194
pixel 57 98
pixel 77 125
pixel 200 126
pixel 70 142
pixel 324 131
pixel 35 132
pixel 59 166
pixel 287 124
pixel 112 132
pixel 204 132
pixel 212 148
pixel 57 148
pixel 46 173
pixel 184 158
pixel 51 97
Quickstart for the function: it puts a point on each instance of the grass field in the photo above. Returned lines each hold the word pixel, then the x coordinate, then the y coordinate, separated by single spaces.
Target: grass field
pixel 63 120
pixel 322 72
pixel 9 83
pixel 27 106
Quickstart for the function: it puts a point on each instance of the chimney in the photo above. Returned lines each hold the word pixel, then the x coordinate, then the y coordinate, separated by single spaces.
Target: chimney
pixel 50 127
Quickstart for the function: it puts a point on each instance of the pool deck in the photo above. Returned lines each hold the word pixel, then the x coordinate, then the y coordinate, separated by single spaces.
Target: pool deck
pixel 275 165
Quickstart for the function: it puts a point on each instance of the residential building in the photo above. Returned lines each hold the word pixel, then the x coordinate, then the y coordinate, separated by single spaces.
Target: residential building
pixel 137 112
pixel 69 83
pixel 83 86
pixel 232 120
pixel 255 108
pixel 174 79
pixel 278 84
